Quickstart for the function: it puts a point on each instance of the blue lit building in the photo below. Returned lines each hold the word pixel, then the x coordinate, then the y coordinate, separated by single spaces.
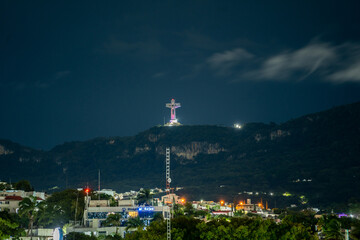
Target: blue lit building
pixel 94 216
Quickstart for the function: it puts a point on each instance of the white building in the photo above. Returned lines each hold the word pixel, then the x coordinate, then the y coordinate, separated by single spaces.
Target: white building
pixel 107 191
pixel 10 199
pixel 96 212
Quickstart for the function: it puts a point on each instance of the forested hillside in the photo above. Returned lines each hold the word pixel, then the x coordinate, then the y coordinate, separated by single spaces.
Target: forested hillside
pixel 317 155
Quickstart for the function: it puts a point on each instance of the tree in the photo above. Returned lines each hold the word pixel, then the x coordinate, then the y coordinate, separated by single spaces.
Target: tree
pixel 16 219
pixel 134 223
pixel 187 225
pixel 23 185
pixel 144 196
pixel 113 237
pixel 332 230
pixel 305 217
pixel 158 217
pixel 113 220
pixel 240 228
pixel 355 231
pixel 239 213
pixel 79 236
pixel 178 210
pixel 7 228
pixel 45 214
pixel 189 209
pixel 28 208
pixel 64 205
pixel 5 186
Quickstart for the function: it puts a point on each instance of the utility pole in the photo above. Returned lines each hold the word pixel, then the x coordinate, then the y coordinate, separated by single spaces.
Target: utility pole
pixel 99 185
pixel 76 206
pixel 168 181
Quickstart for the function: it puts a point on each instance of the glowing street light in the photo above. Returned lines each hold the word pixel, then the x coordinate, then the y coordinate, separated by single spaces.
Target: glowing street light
pixel 222 202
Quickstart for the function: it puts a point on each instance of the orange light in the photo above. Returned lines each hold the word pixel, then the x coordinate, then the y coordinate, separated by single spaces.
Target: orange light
pixel 241 203
pixel 222 202
pixel 182 200
pixel 133 214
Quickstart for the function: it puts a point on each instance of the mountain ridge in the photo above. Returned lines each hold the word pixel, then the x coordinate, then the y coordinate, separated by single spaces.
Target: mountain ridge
pixel 322 147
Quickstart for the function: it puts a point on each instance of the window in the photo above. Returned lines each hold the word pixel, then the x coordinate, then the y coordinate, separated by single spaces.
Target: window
pixel 133 214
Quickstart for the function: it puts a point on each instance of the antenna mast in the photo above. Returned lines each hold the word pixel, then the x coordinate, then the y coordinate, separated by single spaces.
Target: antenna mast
pixel 99 185
pixel 168 181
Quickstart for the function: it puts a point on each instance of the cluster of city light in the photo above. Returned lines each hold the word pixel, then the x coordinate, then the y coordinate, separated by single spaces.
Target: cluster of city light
pixel 241 203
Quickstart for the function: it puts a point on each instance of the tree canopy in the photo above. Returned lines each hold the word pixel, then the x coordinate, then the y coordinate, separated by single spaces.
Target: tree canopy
pixel 23 185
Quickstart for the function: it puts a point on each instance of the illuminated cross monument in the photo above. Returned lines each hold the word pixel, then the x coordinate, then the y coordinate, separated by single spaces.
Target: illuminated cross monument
pixel 173 105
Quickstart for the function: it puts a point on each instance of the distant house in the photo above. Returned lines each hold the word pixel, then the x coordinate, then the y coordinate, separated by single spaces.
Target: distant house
pixel 170 198
pixel 10 199
pixel 22 193
pixel 248 206
pixel 227 213
pixel 107 191
pixel 12 203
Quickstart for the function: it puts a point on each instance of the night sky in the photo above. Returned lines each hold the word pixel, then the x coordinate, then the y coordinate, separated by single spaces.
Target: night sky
pixel 75 70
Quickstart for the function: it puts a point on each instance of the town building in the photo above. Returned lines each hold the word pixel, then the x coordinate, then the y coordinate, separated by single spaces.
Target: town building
pixel 170 198
pixel 96 212
pixel 248 206
pixel 107 192
pixel 10 199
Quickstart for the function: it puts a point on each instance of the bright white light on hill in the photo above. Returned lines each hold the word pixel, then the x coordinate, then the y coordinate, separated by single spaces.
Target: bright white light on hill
pixel 237 125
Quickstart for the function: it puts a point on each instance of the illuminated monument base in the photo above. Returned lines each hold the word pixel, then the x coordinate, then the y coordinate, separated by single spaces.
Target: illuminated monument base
pixel 173 121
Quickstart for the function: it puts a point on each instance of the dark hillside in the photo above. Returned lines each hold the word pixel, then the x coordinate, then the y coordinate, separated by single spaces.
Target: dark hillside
pixel 317 155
